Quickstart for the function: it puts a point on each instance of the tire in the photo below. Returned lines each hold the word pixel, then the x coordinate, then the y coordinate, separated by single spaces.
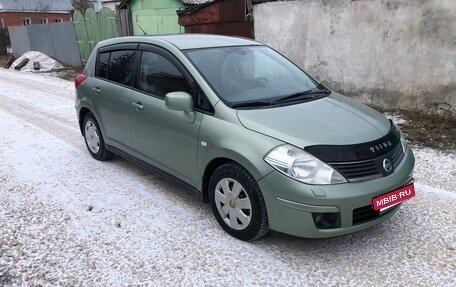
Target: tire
pixel 231 188
pixel 94 140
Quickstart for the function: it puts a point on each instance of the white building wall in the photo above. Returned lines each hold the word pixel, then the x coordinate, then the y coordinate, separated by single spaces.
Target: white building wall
pixel 105 3
pixel 387 52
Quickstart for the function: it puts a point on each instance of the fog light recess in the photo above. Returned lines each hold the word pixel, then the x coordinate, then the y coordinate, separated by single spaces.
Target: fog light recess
pixel 326 220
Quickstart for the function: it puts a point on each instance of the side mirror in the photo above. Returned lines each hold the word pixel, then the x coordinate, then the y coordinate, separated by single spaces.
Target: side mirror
pixel 181 101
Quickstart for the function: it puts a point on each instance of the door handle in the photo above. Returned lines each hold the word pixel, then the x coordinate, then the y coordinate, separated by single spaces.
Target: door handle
pixel 96 90
pixel 139 106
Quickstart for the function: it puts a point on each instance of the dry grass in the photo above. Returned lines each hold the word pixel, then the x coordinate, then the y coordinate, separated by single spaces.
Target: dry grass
pixel 68 73
pixel 3 60
pixel 431 126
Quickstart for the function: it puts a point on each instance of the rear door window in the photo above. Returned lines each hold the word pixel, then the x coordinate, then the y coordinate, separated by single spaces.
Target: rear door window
pixel 103 64
pixel 120 69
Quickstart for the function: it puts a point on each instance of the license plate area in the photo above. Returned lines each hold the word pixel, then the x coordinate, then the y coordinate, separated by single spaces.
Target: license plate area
pixel 392 198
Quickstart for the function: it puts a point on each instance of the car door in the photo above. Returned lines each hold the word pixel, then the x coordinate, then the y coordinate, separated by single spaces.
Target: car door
pixel 112 93
pixel 160 136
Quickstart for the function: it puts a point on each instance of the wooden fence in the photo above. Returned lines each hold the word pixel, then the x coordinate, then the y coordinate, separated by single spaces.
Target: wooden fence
pixel 93 27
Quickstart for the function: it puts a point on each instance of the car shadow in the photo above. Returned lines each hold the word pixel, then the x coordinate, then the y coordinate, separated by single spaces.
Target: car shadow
pixel 190 199
pixel 273 241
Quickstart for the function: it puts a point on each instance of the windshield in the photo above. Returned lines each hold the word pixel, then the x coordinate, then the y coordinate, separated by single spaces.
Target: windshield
pixel 253 74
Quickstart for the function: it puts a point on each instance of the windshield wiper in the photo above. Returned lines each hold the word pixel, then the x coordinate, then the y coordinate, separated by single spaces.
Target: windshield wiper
pixel 251 104
pixel 302 96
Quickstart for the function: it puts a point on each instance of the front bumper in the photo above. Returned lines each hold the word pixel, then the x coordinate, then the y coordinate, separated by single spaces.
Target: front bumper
pixel 290 203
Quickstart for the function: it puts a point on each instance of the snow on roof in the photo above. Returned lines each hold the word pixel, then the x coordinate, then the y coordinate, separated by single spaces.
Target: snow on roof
pixel 35 5
pixel 187 2
pixel 196 1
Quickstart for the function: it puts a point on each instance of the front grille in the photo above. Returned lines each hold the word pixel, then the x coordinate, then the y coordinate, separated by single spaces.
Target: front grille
pixel 367 213
pixel 364 161
pixel 369 169
pixel 358 171
pixel 397 155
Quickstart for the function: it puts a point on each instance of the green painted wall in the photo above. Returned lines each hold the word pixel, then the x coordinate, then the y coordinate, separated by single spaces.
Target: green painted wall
pixel 155 16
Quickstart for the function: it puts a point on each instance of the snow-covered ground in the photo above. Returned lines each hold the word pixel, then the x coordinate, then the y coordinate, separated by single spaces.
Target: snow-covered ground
pixel 67 219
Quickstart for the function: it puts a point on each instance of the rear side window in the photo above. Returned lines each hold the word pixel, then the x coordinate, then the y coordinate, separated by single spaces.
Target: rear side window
pixel 103 64
pixel 158 76
pixel 120 69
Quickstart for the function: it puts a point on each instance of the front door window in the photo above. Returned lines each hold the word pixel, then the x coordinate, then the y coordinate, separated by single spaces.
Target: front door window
pixel 158 76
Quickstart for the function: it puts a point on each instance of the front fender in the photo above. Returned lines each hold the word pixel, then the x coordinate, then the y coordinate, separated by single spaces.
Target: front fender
pixel 221 139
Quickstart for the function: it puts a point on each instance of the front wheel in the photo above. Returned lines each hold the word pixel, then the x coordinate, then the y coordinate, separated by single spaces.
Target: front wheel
pixel 94 140
pixel 237 202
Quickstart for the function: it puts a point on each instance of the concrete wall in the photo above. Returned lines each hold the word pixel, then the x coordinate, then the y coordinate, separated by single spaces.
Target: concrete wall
pixel 396 52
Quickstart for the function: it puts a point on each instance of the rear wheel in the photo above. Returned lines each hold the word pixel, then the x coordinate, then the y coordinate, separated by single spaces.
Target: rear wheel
pixel 237 202
pixel 94 140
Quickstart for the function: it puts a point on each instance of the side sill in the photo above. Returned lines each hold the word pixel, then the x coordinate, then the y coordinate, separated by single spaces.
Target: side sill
pixel 154 170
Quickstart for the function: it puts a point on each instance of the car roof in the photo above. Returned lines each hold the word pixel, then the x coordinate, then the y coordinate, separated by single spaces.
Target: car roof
pixel 186 41
pixel 193 41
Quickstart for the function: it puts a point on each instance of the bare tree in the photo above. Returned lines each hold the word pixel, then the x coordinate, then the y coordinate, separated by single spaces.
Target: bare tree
pixel 81 5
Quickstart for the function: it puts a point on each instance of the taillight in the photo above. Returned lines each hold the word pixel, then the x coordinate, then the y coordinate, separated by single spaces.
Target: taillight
pixel 79 79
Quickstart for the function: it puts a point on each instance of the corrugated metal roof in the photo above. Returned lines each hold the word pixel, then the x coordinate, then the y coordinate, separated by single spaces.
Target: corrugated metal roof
pixel 124 3
pixel 195 2
pixel 35 5
pixel 195 7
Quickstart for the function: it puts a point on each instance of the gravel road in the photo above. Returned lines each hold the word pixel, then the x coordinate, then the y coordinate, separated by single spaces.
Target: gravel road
pixel 68 220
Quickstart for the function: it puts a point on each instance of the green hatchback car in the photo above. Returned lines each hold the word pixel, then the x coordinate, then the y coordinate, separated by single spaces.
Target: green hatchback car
pixel 266 145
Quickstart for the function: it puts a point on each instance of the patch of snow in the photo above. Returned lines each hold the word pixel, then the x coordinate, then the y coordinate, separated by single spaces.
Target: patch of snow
pixel 435 168
pixel 196 2
pixel 437 191
pixel 46 63
pixel 396 118
pixel 143 230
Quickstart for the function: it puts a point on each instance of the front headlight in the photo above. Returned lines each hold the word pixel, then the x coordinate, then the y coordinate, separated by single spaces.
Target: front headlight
pixel 302 166
pixel 403 141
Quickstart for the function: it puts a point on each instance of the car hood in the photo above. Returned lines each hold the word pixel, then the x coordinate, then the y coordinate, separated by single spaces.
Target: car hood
pixel 334 120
